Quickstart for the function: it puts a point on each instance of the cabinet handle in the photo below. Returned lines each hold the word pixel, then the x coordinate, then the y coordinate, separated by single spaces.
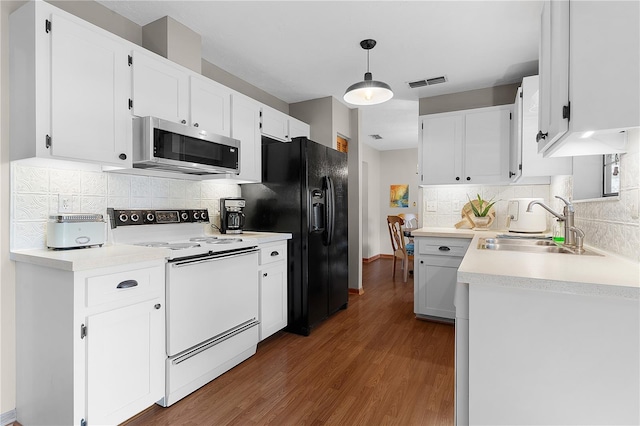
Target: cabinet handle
pixel 184 121
pixel 444 248
pixel 541 135
pixel 196 125
pixel 122 156
pixel 457 177
pixel 422 261
pixel 274 253
pixel 265 274
pixel 468 178
pixel 157 306
pixel 511 174
pixel 127 284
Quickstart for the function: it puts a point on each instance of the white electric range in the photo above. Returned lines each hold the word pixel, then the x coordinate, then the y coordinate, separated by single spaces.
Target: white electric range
pixel 211 286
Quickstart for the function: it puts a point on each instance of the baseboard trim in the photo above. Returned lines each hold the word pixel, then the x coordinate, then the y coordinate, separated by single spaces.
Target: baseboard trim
pixel 371 259
pixel 358 291
pixel 8 417
pixel 386 256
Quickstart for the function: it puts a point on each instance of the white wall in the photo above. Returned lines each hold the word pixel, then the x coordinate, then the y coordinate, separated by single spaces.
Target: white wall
pixel 612 224
pixel 371 203
pixel 397 167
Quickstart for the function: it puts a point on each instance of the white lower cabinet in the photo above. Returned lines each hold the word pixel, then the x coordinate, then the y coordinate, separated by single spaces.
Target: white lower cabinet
pixel 436 268
pixel 92 343
pixel 273 288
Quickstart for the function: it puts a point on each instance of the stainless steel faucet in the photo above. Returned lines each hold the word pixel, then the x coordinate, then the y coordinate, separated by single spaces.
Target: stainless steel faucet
pixel 571 233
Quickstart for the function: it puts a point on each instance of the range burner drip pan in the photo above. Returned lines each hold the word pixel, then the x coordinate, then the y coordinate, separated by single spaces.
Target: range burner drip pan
pixel 171 246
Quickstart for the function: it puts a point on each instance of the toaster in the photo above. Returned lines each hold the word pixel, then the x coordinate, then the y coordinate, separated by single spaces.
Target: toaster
pixel 75 230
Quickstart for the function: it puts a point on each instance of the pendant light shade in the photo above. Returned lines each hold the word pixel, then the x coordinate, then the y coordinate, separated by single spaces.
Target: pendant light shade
pixel 368 91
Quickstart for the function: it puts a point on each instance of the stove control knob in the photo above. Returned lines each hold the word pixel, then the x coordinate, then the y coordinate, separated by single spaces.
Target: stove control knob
pixel 150 217
pixel 123 217
pixel 203 215
pixel 184 216
pixel 196 215
pixel 135 217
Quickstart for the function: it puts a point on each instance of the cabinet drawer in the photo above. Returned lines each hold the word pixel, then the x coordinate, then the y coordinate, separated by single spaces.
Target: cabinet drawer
pixel 139 284
pixel 443 246
pixel 273 253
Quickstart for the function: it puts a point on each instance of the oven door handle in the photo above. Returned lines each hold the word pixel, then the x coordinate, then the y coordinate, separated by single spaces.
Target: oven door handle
pixel 214 257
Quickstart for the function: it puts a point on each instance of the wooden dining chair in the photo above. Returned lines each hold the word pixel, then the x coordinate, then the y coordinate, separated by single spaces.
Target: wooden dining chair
pixel 395 223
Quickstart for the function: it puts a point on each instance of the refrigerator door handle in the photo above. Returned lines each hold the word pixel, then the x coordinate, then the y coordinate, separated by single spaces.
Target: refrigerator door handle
pixel 331 210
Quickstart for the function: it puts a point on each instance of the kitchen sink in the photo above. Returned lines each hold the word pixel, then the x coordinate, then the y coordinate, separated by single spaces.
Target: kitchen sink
pixel 529 246
pixel 520 242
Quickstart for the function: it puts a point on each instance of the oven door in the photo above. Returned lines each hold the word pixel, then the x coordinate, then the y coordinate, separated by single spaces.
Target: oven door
pixel 208 297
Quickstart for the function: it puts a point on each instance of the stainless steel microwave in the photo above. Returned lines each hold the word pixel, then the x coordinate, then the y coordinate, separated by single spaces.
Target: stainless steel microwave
pixel 163 145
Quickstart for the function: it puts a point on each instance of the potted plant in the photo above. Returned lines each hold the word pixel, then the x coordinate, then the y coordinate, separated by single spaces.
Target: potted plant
pixel 481 209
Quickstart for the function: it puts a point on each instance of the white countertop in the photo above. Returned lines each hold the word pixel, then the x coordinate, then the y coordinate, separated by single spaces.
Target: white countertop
pixel 114 255
pixel 606 275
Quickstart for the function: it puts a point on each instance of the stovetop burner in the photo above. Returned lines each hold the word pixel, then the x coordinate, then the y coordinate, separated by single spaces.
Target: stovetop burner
pixel 203 239
pixel 171 246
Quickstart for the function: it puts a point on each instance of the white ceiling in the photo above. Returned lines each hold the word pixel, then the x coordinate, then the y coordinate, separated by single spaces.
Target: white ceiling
pixel 301 50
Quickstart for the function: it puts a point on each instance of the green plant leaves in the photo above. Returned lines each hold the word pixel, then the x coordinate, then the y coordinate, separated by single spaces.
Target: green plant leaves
pixel 483 208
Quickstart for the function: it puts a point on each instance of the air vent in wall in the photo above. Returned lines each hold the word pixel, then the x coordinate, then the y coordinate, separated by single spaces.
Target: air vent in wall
pixel 427 82
pixel 376 137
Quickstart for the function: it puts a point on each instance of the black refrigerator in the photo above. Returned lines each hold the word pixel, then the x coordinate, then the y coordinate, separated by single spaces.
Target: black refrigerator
pixel 304 192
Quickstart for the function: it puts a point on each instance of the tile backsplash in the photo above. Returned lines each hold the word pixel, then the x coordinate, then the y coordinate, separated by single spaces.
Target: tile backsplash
pixel 35 192
pixel 450 199
pixel 611 224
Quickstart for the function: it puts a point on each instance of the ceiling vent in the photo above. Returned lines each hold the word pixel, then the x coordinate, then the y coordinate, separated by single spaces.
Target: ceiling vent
pixel 376 137
pixel 427 82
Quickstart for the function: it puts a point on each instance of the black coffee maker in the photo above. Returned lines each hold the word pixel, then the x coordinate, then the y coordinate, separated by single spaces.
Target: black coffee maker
pixel 231 215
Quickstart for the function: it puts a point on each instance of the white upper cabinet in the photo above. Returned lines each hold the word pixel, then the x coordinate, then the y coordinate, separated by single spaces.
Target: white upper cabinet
pixel 470 146
pixel 526 165
pixel 441 149
pixel 275 124
pixel 69 89
pixel 589 84
pixel 210 106
pixel 245 126
pixel 160 88
pixel 298 129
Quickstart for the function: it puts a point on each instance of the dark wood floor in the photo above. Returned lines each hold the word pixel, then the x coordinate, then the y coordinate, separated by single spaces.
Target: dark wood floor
pixel 371 364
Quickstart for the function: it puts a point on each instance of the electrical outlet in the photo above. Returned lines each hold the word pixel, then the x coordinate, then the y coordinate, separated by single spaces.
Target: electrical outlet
pixel 432 206
pixel 65 203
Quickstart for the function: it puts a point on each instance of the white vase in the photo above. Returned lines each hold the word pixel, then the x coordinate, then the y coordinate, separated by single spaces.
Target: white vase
pixel 482 222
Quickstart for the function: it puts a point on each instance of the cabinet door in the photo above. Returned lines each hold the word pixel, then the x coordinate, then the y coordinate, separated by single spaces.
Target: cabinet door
pixel 486 145
pixel 442 150
pixel 245 126
pixel 89 94
pixel 275 124
pixel 515 144
pixel 533 163
pixel 125 361
pixel 273 299
pixel 160 89
pixel 210 106
pixel 554 72
pixel 298 128
pixel 436 286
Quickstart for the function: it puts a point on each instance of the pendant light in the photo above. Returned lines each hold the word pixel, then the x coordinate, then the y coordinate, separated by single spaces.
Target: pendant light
pixel 369 91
